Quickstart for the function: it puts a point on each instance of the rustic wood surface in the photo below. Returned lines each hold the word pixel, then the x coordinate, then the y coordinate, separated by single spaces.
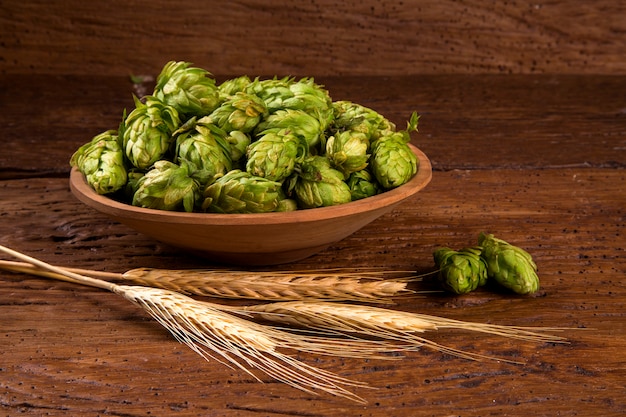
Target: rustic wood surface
pixel 317 37
pixel 538 160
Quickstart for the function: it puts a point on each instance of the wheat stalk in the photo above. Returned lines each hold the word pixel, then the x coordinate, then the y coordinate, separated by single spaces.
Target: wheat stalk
pixel 220 332
pixel 330 284
pixel 214 334
pixel 337 285
pixel 208 329
pixel 374 322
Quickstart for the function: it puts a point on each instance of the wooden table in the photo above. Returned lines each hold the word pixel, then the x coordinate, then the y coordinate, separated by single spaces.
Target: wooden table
pixel 536 160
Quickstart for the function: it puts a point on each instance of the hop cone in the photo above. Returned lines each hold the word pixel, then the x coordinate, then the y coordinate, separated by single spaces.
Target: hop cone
pixel 274 92
pixel 362 184
pixel 460 272
pixel 510 266
pixel 319 185
pixel 240 111
pixel 275 154
pixel 132 185
pixel 299 122
pixel 167 186
pixel 358 118
pixel 239 143
pixel 393 163
pixel 102 162
pixel 234 85
pixel 191 91
pixel 286 93
pixel 347 151
pixel 146 133
pixel 206 152
pixel 312 98
pixel 240 192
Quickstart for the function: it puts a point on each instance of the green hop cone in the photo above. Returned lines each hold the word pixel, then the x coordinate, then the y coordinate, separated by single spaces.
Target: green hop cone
pixel 132 184
pixel 510 266
pixel 347 151
pixel 205 150
pixel 392 162
pixel 312 98
pixel 320 185
pixel 240 192
pixel 167 186
pixel 286 93
pixel 190 90
pixel 299 122
pixel 460 271
pixel 239 143
pixel 146 133
pixel 102 162
pixel 240 111
pixel 233 86
pixel 275 154
pixel 362 184
pixel 274 92
pixel 358 118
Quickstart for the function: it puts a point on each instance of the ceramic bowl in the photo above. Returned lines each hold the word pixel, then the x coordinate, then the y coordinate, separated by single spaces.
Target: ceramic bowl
pixel 258 238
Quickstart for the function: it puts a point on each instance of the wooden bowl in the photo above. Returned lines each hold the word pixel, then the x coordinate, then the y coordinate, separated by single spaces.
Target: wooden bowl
pixel 258 238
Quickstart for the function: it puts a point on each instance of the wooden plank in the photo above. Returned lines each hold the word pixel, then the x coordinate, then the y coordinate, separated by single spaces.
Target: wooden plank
pixel 80 351
pixel 321 37
pixel 467 122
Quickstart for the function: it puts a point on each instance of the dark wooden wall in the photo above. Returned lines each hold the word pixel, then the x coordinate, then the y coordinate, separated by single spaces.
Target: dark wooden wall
pixel 314 37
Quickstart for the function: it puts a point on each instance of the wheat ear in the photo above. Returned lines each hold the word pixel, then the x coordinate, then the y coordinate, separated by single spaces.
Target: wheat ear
pixel 399 326
pixel 213 333
pixel 331 284
pixel 337 285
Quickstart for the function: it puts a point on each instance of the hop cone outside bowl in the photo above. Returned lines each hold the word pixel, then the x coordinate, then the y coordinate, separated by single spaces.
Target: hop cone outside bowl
pixel 460 271
pixel 509 265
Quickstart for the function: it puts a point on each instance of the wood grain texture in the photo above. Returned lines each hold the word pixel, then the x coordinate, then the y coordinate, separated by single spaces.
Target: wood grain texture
pixel 537 121
pixel 73 350
pixel 537 160
pixel 318 37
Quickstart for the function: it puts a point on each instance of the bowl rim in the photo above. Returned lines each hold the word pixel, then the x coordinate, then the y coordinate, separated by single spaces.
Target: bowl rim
pixel 83 192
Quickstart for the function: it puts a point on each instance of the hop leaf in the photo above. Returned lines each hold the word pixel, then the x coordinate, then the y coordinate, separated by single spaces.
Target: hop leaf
pixel 510 266
pixel 460 271
pixel 241 192
pixel 190 90
pixel 167 186
pixel 102 162
pixel 146 133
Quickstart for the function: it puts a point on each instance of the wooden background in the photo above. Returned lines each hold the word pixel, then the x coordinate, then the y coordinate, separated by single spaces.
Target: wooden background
pixel 524 120
pixel 314 37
